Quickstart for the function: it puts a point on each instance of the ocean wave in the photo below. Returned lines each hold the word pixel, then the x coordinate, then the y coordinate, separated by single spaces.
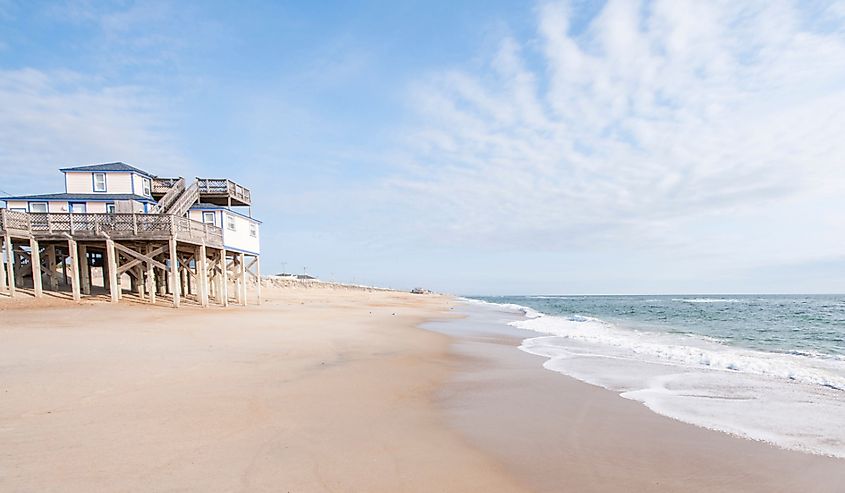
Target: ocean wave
pixel 528 312
pixel 708 300
pixel 688 351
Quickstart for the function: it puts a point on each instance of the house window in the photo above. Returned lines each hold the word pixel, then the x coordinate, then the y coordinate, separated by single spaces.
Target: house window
pixel 253 230
pixel 78 207
pixel 110 208
pixel 208 217
pixel 38 207
pixel 147 187
pixel 230 222
pixel 99 182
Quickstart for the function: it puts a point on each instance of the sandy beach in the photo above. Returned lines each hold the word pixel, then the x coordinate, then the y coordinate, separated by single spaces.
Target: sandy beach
pixel 325 389
pixel 316 390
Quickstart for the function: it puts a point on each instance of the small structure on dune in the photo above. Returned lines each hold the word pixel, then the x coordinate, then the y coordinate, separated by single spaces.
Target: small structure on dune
pixel 134 233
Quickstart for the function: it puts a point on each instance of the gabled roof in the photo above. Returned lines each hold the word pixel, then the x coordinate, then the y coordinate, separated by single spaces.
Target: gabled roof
pixel 118 166
pixel 81 197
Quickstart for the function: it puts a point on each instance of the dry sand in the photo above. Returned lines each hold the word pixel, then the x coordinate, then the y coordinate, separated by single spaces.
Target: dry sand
pixel 316 390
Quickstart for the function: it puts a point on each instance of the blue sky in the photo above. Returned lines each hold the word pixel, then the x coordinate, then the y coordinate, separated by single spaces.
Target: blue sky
pixel 475 147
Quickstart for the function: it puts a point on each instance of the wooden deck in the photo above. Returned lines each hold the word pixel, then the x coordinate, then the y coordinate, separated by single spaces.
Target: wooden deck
pixel 143 227
pixel 220 191
pixel 153 255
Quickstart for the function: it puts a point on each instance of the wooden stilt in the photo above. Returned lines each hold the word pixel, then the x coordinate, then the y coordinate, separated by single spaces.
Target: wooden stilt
pixel 64 270
pixel 202 275
pixel 35 262
pixel 174 272
pixel 84 272
pixel 10 265
pixel 111 261
pixel 51 266
pixel 224 280
pixel 74 270
pixel 18 268
pixel 4 281
pixel 242 278
pixel 258 279
pixel 106 276
pixel 183 278
pixel 139 280
pixel 133 281
pixel 151 281
pixel 212 278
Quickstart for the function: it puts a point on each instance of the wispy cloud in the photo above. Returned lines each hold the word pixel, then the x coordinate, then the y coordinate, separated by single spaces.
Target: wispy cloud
pixel 627 127
pixel 50 119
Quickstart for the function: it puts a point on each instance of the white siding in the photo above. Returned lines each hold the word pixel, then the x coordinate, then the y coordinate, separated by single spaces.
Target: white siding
pixel 196 215
pixel 95 207
pixel 98 207
pixel 240 239
pixel 83 182
pixel 58 206
pixel 17 204
pixel 138 181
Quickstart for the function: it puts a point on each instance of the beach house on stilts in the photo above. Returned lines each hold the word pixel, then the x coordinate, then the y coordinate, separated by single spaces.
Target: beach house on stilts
pixel 120 231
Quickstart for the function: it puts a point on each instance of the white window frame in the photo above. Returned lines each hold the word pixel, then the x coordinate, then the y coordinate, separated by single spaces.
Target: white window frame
pixel 112 206
pixel 94 179
pixel 148 187
pixel 45 204
pixel 206 215
pixel 253 230
pixel 230 222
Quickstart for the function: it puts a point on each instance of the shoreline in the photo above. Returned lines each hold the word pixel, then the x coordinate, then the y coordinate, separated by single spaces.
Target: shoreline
pixel 549 429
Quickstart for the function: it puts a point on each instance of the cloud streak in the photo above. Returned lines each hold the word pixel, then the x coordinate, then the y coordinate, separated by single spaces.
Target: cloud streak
pixel 629 126
pixel 54 119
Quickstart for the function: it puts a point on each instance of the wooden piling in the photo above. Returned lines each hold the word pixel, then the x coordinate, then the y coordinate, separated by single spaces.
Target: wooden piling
pixel 73 255
pixel 35 263
pixel 224 281
pixel 258 279
pixel 202 275
pixel 51 267
pixel 3 279
pixel 18 267
pixel 84 272
pixel 151 282
pixel 10 265
pixel 242 278
pixel 174 272
pixel 111 261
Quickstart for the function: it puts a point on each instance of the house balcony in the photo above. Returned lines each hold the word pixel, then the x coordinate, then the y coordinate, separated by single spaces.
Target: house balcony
pixel 217 191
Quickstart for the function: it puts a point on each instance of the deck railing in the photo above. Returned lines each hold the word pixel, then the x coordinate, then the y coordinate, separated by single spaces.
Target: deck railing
pixel 118 226
pixel 223 186
pixel 162 185
pixel 209 186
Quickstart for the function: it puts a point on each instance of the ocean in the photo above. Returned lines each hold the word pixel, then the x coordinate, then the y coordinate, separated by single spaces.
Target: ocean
pixel 764 367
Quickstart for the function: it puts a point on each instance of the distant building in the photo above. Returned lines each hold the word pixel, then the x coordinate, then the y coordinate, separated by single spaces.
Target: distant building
pixel 167 238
